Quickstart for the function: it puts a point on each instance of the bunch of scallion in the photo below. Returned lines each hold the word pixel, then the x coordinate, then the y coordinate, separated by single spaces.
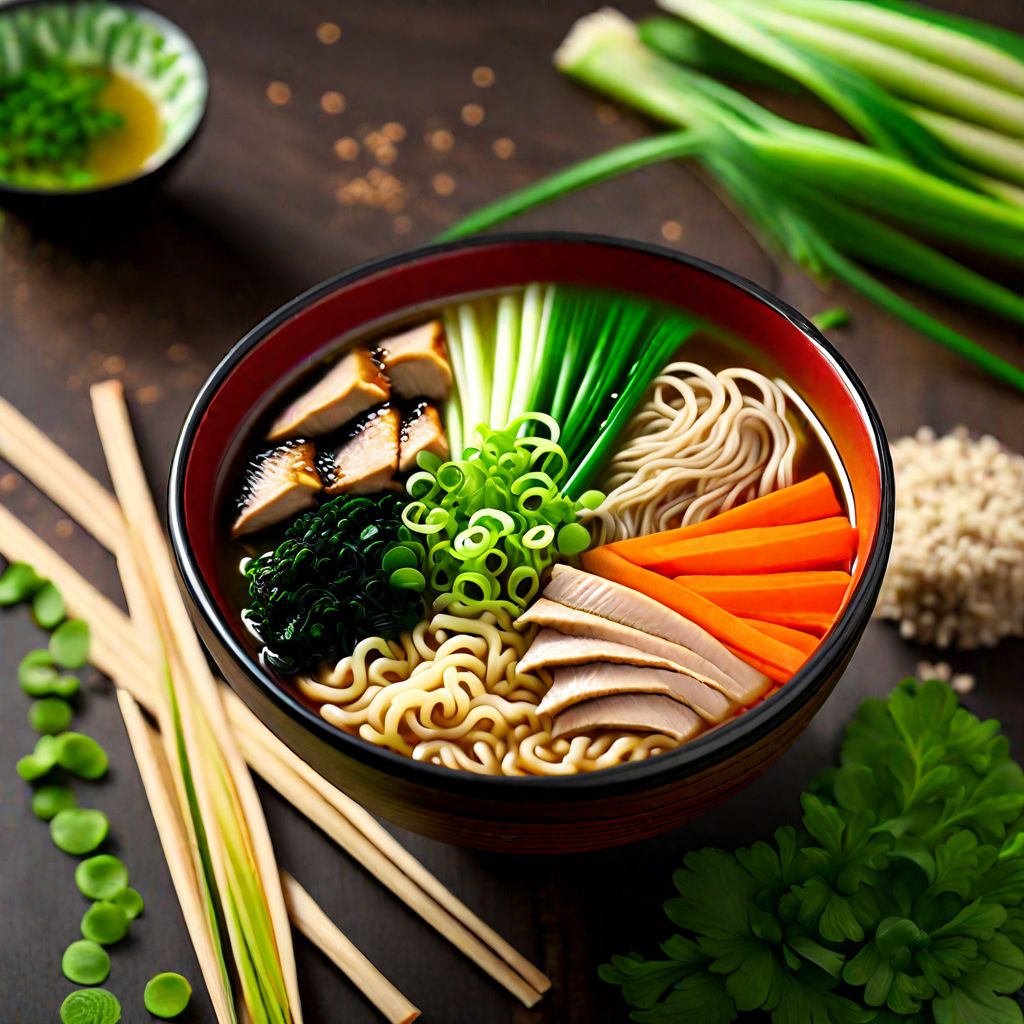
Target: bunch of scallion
pixel 833 205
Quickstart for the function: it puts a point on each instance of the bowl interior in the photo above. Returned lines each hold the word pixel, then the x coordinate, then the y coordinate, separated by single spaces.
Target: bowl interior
pixel 125 38
pixel 284 345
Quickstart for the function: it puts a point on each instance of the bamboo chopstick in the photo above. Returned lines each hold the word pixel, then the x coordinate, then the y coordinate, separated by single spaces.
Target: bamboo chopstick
pixel 152 557
pixel 319 929
pixel 50 464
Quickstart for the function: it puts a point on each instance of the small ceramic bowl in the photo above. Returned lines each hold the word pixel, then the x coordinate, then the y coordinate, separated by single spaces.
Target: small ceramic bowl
pixel 581 812
pixel 126 38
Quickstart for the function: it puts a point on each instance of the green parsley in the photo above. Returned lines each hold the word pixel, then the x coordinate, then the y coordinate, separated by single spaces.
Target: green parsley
pixel 899 899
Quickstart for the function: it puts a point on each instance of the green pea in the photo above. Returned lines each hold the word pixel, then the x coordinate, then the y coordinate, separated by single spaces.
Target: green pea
pixel 85 963
pixel 65 686
pixel 130 902
pixel 408 579
pixel 79 830
pixel 70 642
pixel 42 759
pixel 90 1006
pixel 18 583
pixel 167 995
pixel 48 801
pixel 49 715
pixel 81 755
pixel 105 922
pixel 101 877
pixel 48 606
pixel 573 538
pixel 36 673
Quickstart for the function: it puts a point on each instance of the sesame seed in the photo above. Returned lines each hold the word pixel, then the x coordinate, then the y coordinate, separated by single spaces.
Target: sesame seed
pixel 327 32
pixel 402 225
pixel 442 140
pixel 472 114
pixel 671 231
pixel 64 528
pixel 346 148
pixel 113 364
pixel 503 148
pixel 443 184
pixel 393 131
pixel 332 102
pixel 178 352
pixel 385 154
pixel 148 394
pixel 483 77
pixel 9 482
pixel 279 93
pixel 606 113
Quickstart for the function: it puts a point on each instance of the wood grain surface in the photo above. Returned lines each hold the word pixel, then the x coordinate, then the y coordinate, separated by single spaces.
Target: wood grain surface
pixel 265 207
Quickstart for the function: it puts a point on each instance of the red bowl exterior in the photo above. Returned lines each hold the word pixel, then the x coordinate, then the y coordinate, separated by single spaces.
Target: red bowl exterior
pixel 593 810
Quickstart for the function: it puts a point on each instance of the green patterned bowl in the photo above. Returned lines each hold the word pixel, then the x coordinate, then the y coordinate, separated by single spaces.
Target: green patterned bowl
pixel 128 40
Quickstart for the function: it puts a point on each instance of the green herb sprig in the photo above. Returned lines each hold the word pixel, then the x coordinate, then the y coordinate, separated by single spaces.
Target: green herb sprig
pixel 898 900
pixel 326 586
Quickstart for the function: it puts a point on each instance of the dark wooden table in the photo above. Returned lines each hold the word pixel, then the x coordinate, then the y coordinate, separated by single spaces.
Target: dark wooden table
pixel 255 216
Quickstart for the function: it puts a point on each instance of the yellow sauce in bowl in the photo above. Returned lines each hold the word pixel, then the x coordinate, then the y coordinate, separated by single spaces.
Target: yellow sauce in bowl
pixel 123 153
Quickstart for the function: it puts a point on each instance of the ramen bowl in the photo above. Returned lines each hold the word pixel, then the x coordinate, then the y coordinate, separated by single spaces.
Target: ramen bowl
pixel 578 812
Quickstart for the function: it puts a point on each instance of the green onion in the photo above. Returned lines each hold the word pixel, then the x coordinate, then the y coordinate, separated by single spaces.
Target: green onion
pixel 167 995
pixel 85 963
pixel 78 830
pixel 90 1006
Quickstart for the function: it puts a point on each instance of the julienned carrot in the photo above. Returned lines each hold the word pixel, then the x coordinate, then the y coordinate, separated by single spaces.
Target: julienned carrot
pixel 801 503
pixel 757 595
pixel 777 660
pixel 826 543
pixel 818 623
pixel 786 634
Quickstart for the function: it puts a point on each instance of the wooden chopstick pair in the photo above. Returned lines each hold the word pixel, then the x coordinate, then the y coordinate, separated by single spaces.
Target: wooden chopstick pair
pixel 117 647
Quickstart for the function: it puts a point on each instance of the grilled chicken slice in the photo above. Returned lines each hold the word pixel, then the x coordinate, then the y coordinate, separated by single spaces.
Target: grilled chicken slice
pixel 575 683
pixel 368 460
pixel 277 484
pixel 346 390
pixel 644 713
pixel 421 432
pixel 589 593
pixel 655 651
pixel 417 362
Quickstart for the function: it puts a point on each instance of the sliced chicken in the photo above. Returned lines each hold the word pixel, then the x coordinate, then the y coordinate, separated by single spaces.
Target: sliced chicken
pixel 277 484
pixel 648 649
pixel 351 387
pixel 575 683
pixel 417 362
pixel 368 460
pixel 421 432
pixel 638 713
pixel 589 593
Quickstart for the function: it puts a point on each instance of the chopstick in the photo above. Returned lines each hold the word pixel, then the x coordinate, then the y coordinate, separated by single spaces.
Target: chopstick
pixel 47 465
pixel 148 550
pixel 116 652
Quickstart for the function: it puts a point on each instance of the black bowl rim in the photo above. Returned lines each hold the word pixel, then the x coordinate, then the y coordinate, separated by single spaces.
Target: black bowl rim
pixel 720 744
pixel 7 188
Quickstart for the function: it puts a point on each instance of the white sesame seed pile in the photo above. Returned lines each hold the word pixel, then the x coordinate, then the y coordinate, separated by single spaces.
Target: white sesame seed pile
pixel 956 573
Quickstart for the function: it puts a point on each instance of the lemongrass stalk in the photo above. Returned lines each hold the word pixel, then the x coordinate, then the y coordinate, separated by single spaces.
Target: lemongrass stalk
pixel 604 52
pixel 902 73
pixel 848 272
pixel 455 408
pixel 936 43
pixel 476 402
pixel 981 147
pixel 671 145
pixel 858 235
pixel 506 355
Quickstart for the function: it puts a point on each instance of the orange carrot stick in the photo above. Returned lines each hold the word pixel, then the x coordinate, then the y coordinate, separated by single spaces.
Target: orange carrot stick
pixel 777 660
pixel 786 634
pixel 818 623
pixel 822 544
pixel 760 595
pixel 801 503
